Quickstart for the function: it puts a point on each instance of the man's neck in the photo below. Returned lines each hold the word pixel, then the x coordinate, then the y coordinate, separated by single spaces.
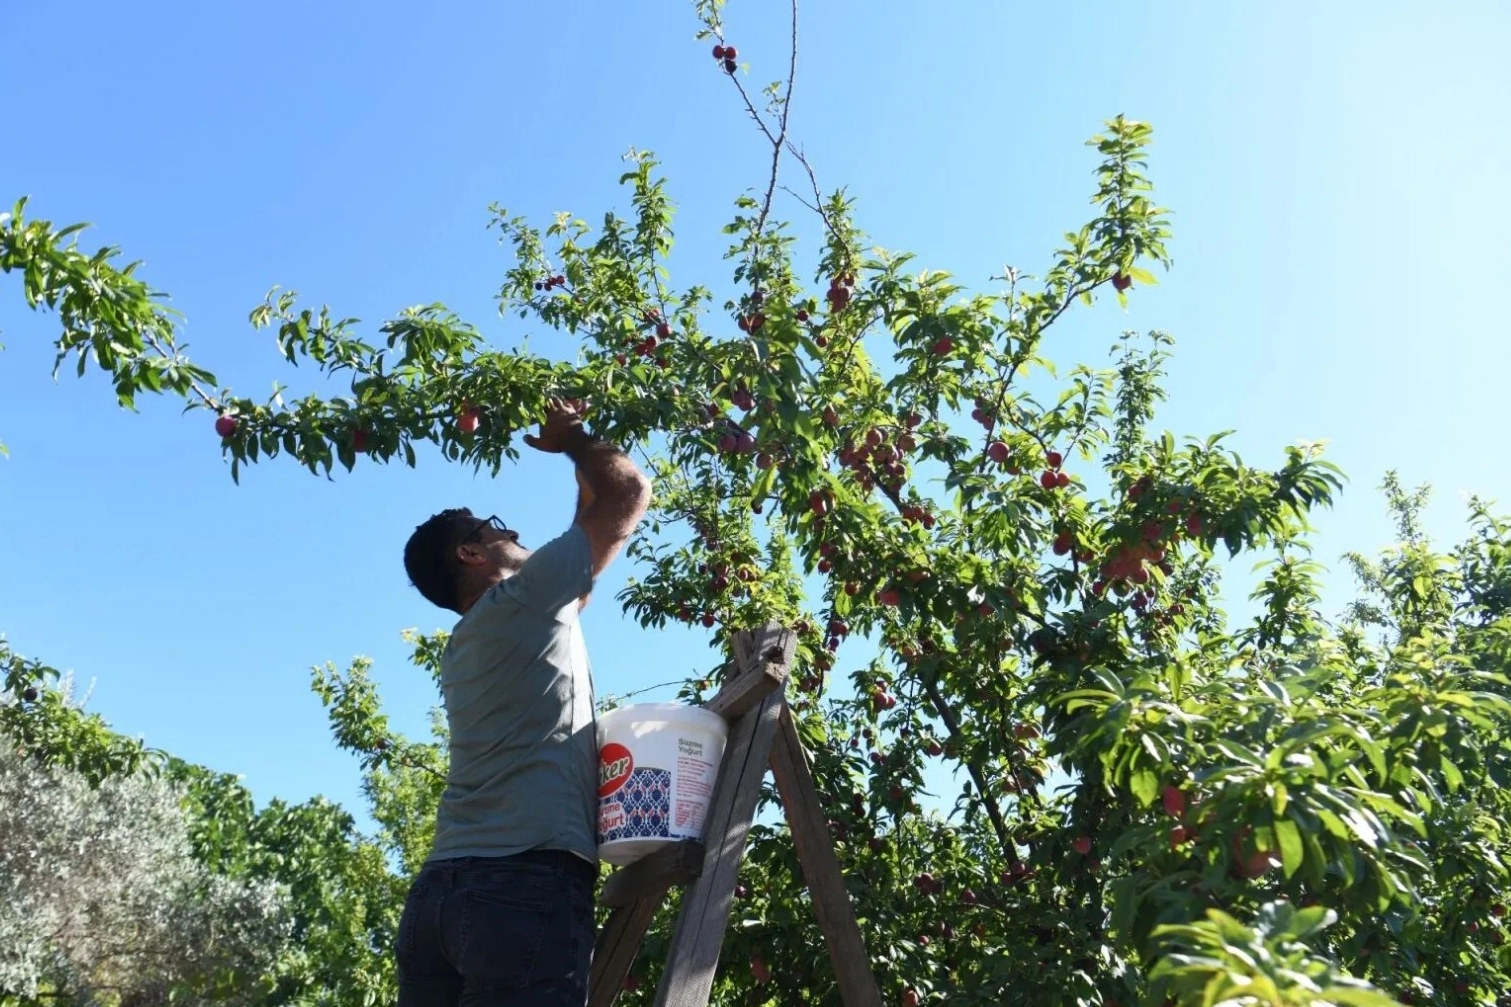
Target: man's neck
pixel 470 599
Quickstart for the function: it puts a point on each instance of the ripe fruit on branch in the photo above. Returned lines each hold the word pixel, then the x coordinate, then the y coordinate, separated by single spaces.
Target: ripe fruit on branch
pixel 225 426
pixel 1174 801
pixel 1121 281
pixel 730 52
pixel 1062 480
pixel 29 694
pixel 997 451
pixel 719 51
pixel 467 422
pixel 910 998
pixel 1049 480
pixel 1054 459
pixel 1258 864
pixel 1082 845
pixel 758 969
pixel 359 439
pixel 889 596
pixel 1063 543
pixel 943 345
pixel 730 66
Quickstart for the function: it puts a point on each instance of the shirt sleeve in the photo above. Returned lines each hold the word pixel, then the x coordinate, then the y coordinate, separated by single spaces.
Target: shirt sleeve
pixel 557 573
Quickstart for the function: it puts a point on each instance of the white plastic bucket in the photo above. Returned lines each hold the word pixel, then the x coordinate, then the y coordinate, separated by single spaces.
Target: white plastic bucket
pixel 657 763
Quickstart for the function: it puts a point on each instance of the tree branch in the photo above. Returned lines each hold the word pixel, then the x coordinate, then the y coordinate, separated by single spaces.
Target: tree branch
pixel 952 724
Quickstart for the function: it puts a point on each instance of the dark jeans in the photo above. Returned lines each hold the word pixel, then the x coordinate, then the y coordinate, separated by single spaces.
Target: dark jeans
pixel 498 932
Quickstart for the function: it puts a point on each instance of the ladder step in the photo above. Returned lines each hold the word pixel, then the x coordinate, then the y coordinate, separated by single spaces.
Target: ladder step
pixel 744 692
pixel 671 865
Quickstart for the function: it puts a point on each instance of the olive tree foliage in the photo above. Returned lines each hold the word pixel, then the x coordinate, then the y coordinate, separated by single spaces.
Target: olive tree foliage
pixel 990 561
pixel 102 899
pixel 130 876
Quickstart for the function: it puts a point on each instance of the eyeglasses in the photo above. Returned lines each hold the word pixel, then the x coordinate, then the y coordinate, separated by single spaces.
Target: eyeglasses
pixel 495 521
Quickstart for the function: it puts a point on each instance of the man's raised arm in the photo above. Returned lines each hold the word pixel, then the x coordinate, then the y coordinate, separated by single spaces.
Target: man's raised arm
pixel 613 492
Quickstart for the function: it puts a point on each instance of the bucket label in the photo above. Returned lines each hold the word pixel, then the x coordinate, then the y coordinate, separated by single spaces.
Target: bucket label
pixel 668 800
pixel 695 786
pixel 615 763
pixel 638 808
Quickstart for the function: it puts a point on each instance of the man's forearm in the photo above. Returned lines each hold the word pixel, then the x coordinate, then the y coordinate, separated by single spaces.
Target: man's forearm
pixel 602 470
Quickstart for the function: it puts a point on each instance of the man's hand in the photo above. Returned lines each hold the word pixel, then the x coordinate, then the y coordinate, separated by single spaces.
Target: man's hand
pixel 563 424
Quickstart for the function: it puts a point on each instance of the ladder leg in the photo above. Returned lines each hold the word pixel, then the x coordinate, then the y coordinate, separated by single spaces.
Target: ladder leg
pixel 617 945
pixel 821 870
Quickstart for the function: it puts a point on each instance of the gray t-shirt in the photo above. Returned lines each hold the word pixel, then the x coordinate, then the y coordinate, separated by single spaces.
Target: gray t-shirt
pixel 518 691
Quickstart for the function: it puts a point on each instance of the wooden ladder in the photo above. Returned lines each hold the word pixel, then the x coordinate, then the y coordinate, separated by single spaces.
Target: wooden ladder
pixel 761 732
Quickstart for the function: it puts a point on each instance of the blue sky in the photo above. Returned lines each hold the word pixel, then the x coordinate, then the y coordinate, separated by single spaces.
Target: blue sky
pixel 1335 172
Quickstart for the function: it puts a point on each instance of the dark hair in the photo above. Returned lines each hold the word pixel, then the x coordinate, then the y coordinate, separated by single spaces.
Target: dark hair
pixel 430 554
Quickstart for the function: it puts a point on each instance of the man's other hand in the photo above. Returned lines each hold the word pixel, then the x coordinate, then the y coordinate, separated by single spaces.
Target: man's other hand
pixel 562 423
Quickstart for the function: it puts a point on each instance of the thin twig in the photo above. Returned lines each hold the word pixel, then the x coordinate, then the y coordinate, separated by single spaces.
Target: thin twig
pixel 415 765
pixel 781 138
pixel 153 342
pixel 651 688
pixel 952 724
pixel 1020 358
pixel 818 197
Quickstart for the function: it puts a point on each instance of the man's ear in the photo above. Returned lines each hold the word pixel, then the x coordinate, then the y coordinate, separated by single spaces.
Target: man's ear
pixel 470 555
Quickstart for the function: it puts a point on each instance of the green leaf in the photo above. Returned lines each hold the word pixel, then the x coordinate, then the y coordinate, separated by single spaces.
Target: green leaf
pixel 1145 785
pixel 764 483
pixel 1292 852
pixel 1452 776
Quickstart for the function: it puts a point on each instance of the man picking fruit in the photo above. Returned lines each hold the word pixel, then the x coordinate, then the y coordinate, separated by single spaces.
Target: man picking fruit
pixel 502 911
